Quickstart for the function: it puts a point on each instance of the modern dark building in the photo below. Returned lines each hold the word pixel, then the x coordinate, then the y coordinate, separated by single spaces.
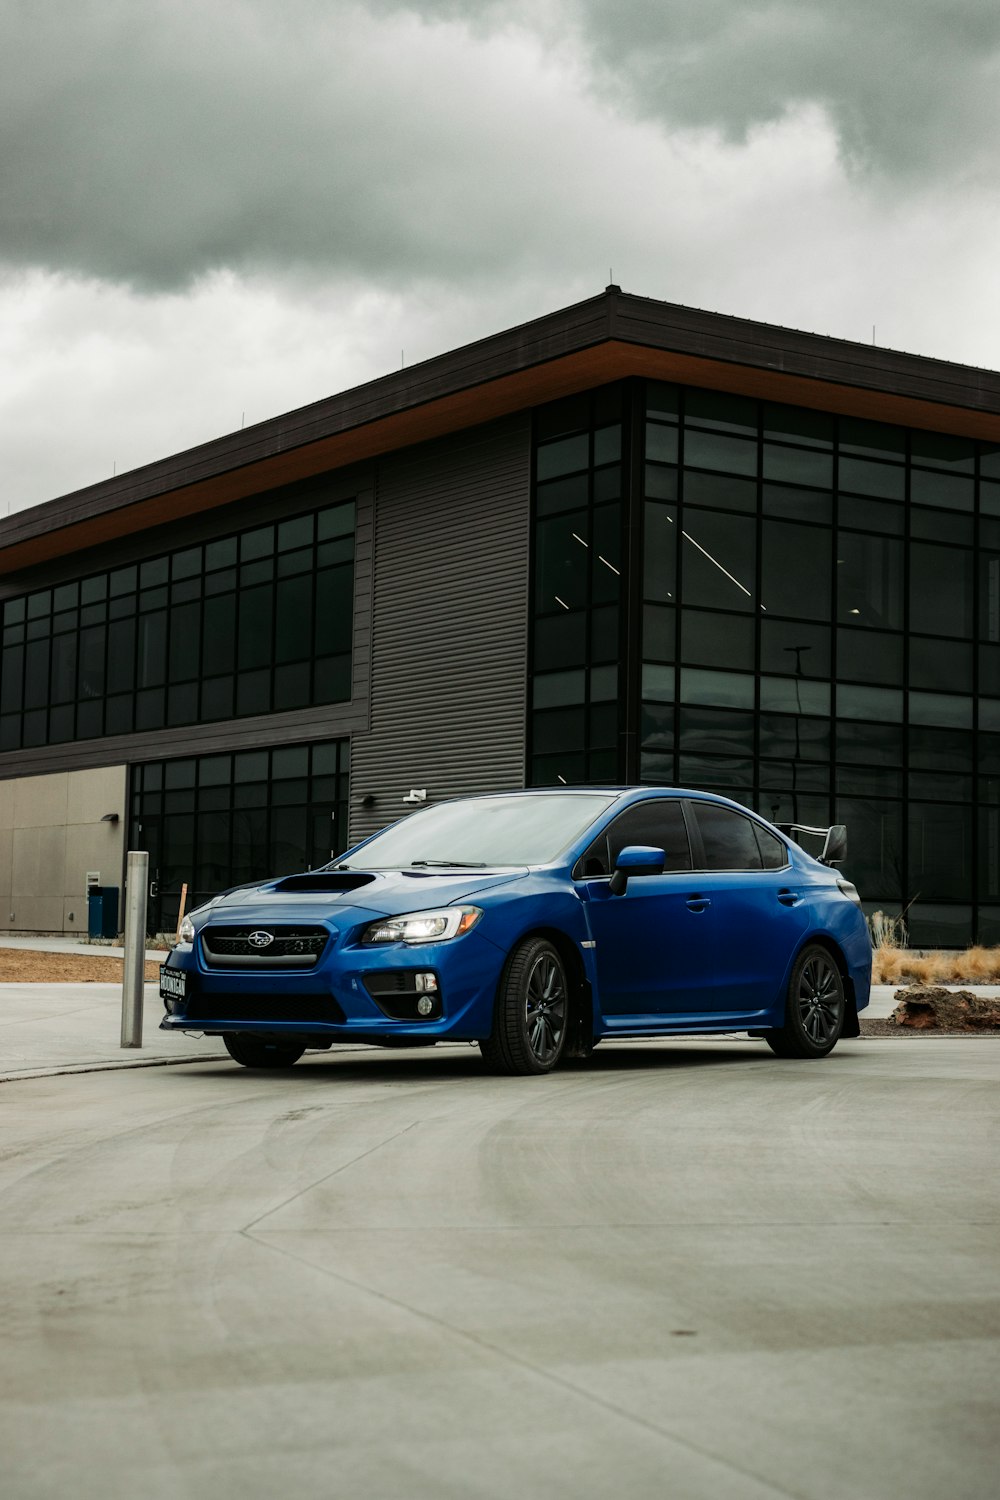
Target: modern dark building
pixel 626 542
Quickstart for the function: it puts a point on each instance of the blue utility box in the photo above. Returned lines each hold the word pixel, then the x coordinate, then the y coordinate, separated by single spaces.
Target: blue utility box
pixel 102 911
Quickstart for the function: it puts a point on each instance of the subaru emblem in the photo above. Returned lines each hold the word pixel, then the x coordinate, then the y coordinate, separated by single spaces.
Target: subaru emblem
pixel 260 939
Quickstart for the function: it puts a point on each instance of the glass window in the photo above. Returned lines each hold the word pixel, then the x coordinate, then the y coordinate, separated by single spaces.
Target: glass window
pixel 661 400
pixel 940 850
pixel 872 439
pixel 946 490
pixel 561 494
pixel 941 708
pixel 657 823
pixel 874 846
pixel 942 451
pixel 718 560
pixel 871 515
pixel 716 731
pixel 870 744
pixel 802 650
pixel 659 630
pixel 796 504
pixel 882 480
pixel 791 739
pixel 940 665
pixel 735 689
pixel 563 456
pixel 798 466
pixel 796 695
pixel 795 570
pixel 557 689
pixel 722 491
pixel 989 597
pixel 562 566
pixel 560 641
pixel 773 855
pixel 715 450
pixel 869 703
pixel 661 444
pixel 716 640
pixel 717 409
pixel 937 926
pixel 940 590
pixel 728 839
pixel 798 425
pixel 869 580
pixel 869 656
pixel 659 552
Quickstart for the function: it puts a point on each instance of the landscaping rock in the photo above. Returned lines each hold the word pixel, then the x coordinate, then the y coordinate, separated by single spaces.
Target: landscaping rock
pixel 930 1008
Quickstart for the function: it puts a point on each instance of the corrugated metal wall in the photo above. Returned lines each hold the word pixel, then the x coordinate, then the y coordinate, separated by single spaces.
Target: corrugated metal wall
pixel 450 623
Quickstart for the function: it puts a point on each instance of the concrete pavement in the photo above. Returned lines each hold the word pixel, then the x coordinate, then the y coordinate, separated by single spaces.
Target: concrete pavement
pixel 688 1269
pixel 77 1027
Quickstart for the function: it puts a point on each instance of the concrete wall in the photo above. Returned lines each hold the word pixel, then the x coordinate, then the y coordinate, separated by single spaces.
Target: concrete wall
pixel 51 834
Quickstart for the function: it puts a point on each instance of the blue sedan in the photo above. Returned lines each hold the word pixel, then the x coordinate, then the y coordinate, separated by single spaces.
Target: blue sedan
pixel 537 924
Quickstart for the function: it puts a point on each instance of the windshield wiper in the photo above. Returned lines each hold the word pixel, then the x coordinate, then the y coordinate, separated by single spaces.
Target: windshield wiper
pixel 449 864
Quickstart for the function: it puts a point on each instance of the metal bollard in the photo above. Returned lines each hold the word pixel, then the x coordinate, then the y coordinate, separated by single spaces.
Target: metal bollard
pixel 136 881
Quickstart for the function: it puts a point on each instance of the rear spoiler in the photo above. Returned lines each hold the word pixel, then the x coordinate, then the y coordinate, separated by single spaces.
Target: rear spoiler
pixel 834 840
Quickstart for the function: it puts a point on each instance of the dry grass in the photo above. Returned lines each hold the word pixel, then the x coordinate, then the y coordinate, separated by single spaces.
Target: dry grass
pixel 892 965
pixel 26 966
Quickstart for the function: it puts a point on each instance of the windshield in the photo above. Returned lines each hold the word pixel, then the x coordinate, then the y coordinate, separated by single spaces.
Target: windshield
pixel 482 832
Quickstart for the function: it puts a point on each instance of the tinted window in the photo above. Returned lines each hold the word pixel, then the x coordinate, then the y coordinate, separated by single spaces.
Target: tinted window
pixel 772 850
pixel 729 839
pixel 658 824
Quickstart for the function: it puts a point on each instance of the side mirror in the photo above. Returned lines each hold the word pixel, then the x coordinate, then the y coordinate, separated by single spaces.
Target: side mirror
pixel 834 845
pixel 636 859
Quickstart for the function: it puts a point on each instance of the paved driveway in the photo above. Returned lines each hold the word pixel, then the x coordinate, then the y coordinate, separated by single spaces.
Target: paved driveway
pixel 689 1270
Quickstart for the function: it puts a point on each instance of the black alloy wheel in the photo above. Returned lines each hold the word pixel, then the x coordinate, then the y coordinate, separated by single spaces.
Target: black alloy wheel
pixel 261 1052
pixel 529 1025
pixel 814 1012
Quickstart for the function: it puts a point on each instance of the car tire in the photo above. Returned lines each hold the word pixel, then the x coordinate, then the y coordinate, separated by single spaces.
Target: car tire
pixel 261 1052
pixel 532 1011
pixel 814 1008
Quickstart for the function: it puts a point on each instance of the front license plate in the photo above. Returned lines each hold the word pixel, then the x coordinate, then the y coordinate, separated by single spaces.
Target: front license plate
pixel 173 983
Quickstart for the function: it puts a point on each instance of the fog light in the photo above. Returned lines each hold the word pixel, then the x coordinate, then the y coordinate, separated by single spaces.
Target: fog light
pixel 425 1005
pixel 426 985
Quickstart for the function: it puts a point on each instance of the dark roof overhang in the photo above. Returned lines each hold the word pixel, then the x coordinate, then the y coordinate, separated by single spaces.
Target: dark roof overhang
pixel 603 339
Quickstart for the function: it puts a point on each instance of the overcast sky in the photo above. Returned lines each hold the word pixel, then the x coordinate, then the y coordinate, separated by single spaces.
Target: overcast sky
pixel 213 211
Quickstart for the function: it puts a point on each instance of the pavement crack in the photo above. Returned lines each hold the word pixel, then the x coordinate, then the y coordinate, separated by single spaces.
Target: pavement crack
pixel 477 1342
pixel 327 1176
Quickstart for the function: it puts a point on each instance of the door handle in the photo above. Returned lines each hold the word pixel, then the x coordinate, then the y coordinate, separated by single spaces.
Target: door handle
pixel 789 898
pixel 698 903
pixel 154 889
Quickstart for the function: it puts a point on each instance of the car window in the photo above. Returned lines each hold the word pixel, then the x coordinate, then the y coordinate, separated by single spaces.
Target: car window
pixel 657 823
pixel 772 851
pixel 728 838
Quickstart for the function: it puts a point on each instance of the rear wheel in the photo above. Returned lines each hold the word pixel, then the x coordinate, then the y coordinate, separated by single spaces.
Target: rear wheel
pixel 814 1011
pixel 261 1052
pixel 529 1026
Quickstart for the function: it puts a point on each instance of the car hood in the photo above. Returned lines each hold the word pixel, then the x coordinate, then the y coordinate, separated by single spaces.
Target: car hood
pixel 327 894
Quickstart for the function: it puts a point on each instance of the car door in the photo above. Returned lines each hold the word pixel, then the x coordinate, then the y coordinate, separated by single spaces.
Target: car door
pixel 759 915
pixel 653 942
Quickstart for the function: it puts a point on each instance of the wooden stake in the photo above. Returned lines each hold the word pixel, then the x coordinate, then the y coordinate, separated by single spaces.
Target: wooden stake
pixel 180 914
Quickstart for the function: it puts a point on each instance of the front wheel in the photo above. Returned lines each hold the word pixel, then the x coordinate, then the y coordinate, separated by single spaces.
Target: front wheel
pixel 814 1012
pixel 261 1052
pixel 529 1025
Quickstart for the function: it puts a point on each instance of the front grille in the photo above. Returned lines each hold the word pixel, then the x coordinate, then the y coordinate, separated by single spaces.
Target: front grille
pixel 318 1008
pixel 289 948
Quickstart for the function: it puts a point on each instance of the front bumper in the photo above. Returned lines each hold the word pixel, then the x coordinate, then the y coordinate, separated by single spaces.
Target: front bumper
pixel 350 994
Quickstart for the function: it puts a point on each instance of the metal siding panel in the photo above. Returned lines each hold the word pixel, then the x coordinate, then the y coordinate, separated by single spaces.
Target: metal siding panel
pixel 450 607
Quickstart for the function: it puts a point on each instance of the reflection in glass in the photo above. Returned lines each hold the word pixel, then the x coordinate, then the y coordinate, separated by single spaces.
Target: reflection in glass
pixel 869 580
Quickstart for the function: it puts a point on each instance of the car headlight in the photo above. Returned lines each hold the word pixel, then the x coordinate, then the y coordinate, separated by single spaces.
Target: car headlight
pixel 423 926
pixel 187 930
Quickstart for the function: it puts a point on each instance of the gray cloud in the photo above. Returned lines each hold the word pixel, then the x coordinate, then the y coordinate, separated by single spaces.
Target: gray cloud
pixel 397 141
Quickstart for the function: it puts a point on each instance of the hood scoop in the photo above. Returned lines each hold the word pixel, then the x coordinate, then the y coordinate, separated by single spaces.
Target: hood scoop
pixel 320 882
